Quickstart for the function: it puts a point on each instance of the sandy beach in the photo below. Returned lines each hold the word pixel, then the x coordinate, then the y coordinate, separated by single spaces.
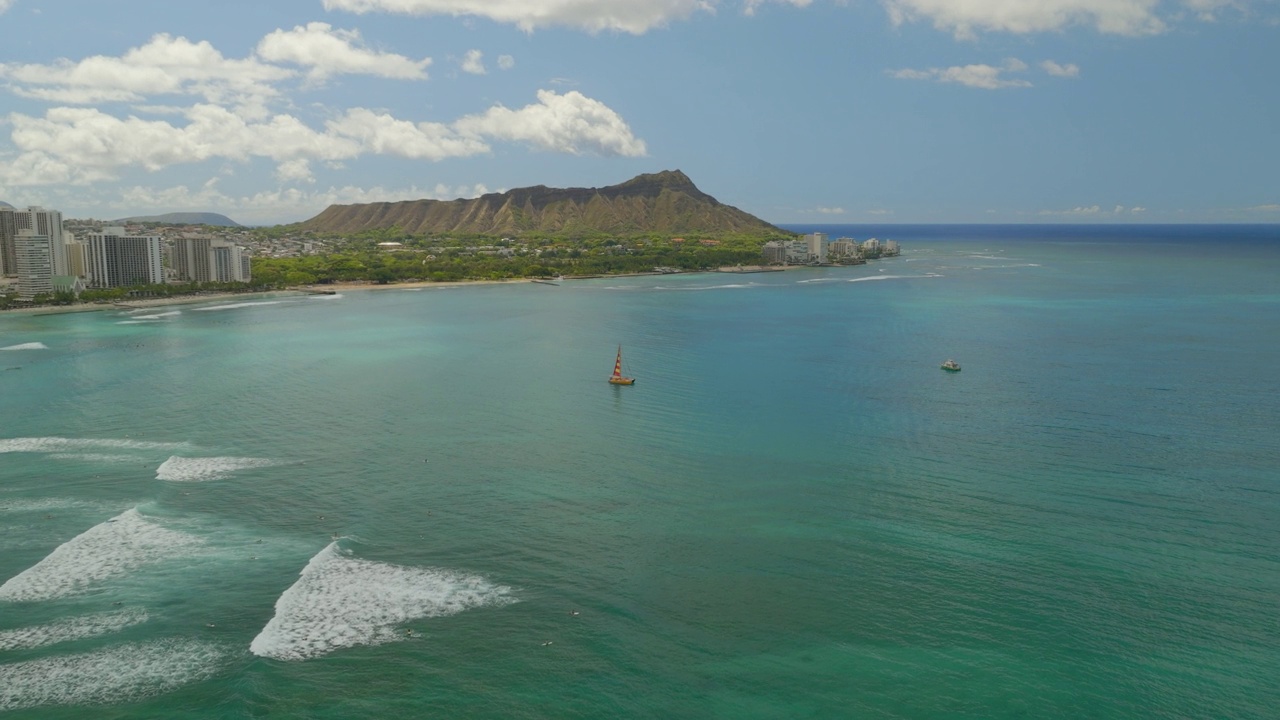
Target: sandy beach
pixel 340 287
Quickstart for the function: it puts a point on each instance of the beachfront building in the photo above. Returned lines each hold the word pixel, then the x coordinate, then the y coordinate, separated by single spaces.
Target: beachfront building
pixel 817 243
pixel 33 255
pixel 8 234
pixel 890 248
pixel 798 251
pixel 68 284
pixel 843 248
pixel 42 222
pixel 117 259
pixel 200 258
pixel 48 223
pixel 871 248
pixel 76 263
pixel 775 252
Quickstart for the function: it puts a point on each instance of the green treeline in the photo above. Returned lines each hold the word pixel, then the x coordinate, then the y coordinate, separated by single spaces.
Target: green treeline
pixel 360 259
pixel 124 294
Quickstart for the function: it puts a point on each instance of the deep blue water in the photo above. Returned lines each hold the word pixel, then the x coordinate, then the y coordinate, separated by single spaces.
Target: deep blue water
pixel 793 513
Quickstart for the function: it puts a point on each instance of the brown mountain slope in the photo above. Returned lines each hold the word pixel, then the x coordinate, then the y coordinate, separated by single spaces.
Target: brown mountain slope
pixel 667 202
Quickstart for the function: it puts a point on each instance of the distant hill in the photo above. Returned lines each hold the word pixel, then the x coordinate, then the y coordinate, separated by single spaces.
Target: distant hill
pixel 5 205
pixel 184 219
pixel 666 202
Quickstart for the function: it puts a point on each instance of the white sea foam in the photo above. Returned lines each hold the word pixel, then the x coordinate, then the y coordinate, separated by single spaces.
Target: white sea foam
pixel 46 504
pixel 27 346
pixel 121 673
pixel 731 286
pixel 340 602
pixel 116 547
pixel 158 316
pixel 335 296
pixel 63 445
pixel 94 457
pixel 233 306
pixel 74 628
pixel 894 277
pixel 200 469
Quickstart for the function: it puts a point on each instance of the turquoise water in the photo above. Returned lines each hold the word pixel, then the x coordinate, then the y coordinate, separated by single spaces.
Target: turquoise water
pixel 793 513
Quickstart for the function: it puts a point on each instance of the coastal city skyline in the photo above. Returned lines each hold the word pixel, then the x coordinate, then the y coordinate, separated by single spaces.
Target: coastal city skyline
pixel 795 111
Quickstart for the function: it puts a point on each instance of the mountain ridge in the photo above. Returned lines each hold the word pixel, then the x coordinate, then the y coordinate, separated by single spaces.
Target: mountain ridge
pixel 184 218
pixel 663 202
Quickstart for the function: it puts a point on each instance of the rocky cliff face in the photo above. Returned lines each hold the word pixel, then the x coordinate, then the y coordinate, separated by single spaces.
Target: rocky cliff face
pixel 667 202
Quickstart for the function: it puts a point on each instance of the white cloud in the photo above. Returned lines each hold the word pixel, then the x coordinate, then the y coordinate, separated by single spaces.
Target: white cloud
pixel 506 62
pixel 297 170
pixel 4 5
pixel 383 134
pixel 1069 70
pixel 830 210
pixel 164 66
pixel 473 62
pixel 1137 210
pixel 333 52
pixel 570 123
pixel 986 77
pixel 85 145
pixel 97 144
pixel 1270 207
pixel 1090 210
pixel 965 18
pixel 632 16
pixel 749 6
pixel 1207 10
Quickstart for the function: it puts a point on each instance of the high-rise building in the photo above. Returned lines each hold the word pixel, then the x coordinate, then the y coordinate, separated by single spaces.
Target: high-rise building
pixel 77 263
pixel 8 234
pixel 45 222
pixel 34 261
pixel 204 259
pixel 116 259
pixel 817 243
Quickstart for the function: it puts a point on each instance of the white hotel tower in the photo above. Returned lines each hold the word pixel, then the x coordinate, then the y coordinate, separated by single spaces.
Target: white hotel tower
pixel 198 258
pixel 33 263
pixel 116 259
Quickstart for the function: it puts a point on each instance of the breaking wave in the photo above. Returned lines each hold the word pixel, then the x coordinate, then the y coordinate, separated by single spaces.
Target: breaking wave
pixel 185 469
pixel 121 673
pixel 68 445
pixel 894 277
pixel 116 547
pixel 94 457
pixel 75 628
pixel 27 346
pixel 233 306
pixel 47 504
pixel 341 602
pixel 730 286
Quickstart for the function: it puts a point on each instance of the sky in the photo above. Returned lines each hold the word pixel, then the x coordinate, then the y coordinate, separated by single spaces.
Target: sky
pixel 797 111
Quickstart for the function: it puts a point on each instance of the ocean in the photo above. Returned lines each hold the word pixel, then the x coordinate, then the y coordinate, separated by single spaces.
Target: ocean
pixel 429 503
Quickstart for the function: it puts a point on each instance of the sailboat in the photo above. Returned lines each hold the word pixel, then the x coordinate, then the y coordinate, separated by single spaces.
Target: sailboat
pixel 616 378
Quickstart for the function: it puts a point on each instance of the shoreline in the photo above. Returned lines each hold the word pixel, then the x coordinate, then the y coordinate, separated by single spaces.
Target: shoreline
pixel 354 286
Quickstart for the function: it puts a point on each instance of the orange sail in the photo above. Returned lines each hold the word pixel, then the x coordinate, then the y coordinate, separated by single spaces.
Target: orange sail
pixel 617 378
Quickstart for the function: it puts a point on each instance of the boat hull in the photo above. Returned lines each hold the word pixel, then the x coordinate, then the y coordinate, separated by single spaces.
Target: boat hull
pixel 622 381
